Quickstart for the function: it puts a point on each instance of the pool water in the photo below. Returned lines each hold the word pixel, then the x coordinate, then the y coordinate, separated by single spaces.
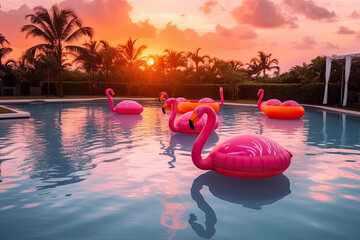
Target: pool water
pixel 80 171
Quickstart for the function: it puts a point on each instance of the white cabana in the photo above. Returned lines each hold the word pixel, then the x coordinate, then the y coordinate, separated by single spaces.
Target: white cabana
pixel 348 58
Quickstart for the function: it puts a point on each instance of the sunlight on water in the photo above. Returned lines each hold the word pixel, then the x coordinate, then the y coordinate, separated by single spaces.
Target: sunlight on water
pixel 79 171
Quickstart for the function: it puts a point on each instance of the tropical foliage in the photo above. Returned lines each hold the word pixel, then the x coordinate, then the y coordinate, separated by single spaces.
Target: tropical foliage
pixel 59 56
pixel 58 28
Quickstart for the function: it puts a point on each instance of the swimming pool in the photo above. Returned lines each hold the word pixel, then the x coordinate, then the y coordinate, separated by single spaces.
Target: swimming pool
pixel 79 171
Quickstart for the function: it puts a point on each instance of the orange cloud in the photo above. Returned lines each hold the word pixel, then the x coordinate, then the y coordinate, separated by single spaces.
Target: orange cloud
pixel 208 6
pixel 310 9
pixel 345 30
pixel 355 15
pixel 236 38
pixel 10 24
pixel 173 37
pixel 110 19
pixel 306 43
pixel 262 14
pixel 235 32
pixel 331 45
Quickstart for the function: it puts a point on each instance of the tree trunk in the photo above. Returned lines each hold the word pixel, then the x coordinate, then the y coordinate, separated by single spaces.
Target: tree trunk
pixel 60 92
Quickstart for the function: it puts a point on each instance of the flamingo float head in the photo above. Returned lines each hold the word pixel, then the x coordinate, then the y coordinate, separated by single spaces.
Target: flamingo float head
pixel 197 114
pixel 168 104
pixel 260 92
pixel 111 92
pixel 162 95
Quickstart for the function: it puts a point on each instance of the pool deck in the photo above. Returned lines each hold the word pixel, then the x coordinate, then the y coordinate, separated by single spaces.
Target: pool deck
pixel 22 114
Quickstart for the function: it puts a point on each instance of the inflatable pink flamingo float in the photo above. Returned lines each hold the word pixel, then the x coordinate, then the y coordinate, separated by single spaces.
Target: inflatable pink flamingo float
pixel 273 108
pixel 243 156
pixel 163 95
pixel 210 100
pixel 124 107
pixel 270 102
pixel 182 124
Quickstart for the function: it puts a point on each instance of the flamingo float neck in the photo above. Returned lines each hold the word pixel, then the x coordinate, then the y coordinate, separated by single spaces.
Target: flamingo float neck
pixel 221 97
pixel 108 92
pixel 261 92
pixel 174 102
pixel 204 164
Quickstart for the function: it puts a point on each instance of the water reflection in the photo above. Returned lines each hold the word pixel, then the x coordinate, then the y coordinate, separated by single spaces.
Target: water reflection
pixel 184 142
pixel 285 126
pixel 329 130
pixel 126 121
pixel 174 206
pixel 251 193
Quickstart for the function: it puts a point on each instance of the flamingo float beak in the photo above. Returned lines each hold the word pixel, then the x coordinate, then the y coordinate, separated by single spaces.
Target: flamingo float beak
pixel 164 107
pixel 112 94
pixel 161 97
pixel 193 120
pixel 258 93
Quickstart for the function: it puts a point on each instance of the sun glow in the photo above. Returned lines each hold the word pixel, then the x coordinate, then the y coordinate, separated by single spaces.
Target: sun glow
pixel 150 61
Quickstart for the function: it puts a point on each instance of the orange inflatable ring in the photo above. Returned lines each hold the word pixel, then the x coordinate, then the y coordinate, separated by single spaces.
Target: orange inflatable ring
pixel 184 107
pixel 282 112
pixel 188 106
pixel 273 108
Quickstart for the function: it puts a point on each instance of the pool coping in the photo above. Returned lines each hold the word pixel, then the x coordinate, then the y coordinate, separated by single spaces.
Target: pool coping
pixel 15 114
pixel 22 114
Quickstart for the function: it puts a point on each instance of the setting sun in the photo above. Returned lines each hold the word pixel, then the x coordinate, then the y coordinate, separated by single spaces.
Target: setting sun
pixel 150 61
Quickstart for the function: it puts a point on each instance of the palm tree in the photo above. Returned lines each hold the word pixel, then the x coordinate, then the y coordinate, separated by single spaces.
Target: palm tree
pixel 3 40
pixel 132 55
pixel 318 66
pixel 174 59
pixel 108 55
pixel 4 50
pixel 254 69
pixel 133 60
pixel 196 58
pixel 159 62
pixel 89 57
pixel 235 65
pixel 264 62
pixel 58 28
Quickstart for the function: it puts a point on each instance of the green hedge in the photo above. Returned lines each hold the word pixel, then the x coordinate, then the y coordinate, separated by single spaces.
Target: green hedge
pixel 310 93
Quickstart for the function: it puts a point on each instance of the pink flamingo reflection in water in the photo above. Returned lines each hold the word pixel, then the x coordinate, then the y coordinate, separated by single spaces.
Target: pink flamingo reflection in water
pixel 126 121
pixel 171 218
pixel 184 142
pixel 250 193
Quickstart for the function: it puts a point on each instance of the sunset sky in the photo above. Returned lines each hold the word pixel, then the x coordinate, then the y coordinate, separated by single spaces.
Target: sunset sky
pixel 294 31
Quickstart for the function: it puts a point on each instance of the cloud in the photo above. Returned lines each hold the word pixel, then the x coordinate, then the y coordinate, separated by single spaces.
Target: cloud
pixel 345 30
pixel 355 15
pixel 306 43
pixel 110 19
pixel 331 45
pixel 11 23
pixel 310 9
pixel 208 6
pixel 173 37
pixel 223 39
pixel 262 14
pixel 235 32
